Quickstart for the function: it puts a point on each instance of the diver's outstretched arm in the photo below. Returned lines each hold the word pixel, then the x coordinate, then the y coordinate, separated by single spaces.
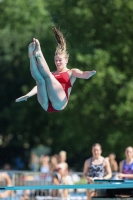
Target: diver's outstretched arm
pixel 82 74
pixel 29 94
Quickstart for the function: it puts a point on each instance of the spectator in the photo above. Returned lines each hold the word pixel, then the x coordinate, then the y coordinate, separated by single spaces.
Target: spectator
pixel 125 172
pixel 126 165
pixel 53 163
pixel 7 167
pixel 26 195
pixel 61 177
pixel 96 167
pixel 5 180
pixel 19 164
pixel 62 161
pixel 44 162
pixel 113 163
pixel 34 162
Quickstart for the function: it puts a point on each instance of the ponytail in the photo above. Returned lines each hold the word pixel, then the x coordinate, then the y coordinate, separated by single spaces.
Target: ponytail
pixel 61 48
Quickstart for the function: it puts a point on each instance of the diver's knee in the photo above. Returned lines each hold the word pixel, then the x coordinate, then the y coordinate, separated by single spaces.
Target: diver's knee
pixel 44 106
pixel 43 103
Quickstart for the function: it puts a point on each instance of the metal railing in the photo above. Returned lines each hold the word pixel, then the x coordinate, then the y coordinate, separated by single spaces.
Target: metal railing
pixel 28 178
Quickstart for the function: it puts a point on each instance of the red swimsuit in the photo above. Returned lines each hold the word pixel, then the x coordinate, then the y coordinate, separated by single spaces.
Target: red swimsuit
pixel 64 80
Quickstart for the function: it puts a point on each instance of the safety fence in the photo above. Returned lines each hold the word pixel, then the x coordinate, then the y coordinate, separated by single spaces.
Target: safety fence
pixel 39 186
pixel 25 180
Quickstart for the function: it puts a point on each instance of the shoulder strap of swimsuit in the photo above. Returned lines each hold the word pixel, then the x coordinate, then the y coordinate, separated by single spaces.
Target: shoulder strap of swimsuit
pixel 91 160
pixel 124 163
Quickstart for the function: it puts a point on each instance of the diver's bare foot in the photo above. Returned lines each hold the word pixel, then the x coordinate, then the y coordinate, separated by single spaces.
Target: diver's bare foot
pixel 37 51
pixel 31 49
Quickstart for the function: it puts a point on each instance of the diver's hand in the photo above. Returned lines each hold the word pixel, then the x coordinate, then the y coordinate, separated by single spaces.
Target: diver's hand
pixel 23 98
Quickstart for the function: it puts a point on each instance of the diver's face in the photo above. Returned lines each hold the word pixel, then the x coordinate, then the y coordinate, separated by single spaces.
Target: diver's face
pixel 60 62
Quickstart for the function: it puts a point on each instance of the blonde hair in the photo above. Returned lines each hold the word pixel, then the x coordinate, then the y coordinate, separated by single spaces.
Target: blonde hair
pixel 61 48
pixel 63 153
pixel 128 148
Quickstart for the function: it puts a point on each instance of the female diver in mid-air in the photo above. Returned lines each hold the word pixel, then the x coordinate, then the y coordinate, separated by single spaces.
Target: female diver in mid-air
pixel 52 88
